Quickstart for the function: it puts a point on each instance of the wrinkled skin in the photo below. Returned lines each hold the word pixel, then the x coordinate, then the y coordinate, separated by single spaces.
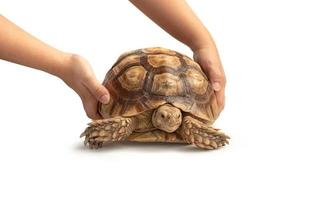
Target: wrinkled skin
pixel 167 118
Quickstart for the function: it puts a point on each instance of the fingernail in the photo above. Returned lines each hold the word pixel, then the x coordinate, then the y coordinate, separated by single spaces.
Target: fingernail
pixel 105 99
pixel 216 86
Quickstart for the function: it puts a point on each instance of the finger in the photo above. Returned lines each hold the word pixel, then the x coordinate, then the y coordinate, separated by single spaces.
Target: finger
pixel 217 77
pixel 98 91
pixel 215 73
pixel 90 106
pixel 220 97
pixel 218 82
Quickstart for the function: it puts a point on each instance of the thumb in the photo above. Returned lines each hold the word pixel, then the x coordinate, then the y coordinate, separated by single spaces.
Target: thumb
pixel 217 79
pixel 98 91
pixel 218 82
pixel 216 85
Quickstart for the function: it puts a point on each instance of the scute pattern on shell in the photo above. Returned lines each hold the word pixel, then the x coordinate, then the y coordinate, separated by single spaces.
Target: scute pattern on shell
pixel 144 79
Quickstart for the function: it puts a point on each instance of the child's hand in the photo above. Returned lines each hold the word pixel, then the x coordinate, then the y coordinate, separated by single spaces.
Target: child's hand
pixel 78 75
pixel 20 47
pixel 210 62
pixel 177 18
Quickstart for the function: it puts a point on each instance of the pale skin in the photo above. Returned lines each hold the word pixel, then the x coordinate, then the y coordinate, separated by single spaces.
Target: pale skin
pixel 20 47
pixel 174 16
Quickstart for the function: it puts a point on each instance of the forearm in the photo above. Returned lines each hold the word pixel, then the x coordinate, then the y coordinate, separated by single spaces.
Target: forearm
pixel 177 18
pixel 20 47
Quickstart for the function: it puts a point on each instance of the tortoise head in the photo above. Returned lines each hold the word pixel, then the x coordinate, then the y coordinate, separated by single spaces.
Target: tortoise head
pixel 167 118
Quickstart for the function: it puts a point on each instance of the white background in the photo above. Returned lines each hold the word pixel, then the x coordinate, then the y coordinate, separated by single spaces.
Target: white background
pixel 279 57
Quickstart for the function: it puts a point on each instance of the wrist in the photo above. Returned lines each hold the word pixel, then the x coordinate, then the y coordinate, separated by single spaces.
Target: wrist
pixel 206 48
pixel 67 61
pixel 206 52
pixel 204 42
pixel 59 64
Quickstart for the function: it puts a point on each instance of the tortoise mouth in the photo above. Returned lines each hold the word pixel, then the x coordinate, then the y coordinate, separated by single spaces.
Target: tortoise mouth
pixel 167 118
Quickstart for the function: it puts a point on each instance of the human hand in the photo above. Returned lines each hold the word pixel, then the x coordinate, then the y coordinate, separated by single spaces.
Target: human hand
pixel 79 75
pixel 22 48
pixel 208 58
pixel 178 19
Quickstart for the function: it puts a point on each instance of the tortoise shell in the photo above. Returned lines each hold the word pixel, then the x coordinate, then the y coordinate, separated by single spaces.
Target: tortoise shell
pixel 144 79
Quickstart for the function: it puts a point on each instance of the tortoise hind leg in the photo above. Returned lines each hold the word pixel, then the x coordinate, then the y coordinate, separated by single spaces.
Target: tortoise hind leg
pixel 201 135
pixel 101 131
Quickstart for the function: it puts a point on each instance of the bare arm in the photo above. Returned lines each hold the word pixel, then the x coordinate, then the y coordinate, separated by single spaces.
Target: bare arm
pixel 20 47
pixel 177 18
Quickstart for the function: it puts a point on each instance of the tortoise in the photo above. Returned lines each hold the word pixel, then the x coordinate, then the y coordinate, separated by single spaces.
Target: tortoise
pixel 157 95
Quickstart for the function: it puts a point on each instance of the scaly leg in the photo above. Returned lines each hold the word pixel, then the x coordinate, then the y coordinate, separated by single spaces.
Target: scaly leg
pixel 196 132
pixel 101 131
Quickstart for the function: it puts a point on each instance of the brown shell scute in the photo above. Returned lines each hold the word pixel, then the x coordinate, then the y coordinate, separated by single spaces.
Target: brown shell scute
pixel 191 63
pixel 198 83
pixel 158 50
pixel 144 79
pixel 167 84
pixel 164 60
pixel 133 78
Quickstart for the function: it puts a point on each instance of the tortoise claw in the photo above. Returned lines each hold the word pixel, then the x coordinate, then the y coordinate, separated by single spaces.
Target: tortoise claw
pixel 201 135
pixel 101 131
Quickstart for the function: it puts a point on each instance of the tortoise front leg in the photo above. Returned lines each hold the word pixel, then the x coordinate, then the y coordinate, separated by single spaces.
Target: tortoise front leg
pixel 101 131
pixel 201 135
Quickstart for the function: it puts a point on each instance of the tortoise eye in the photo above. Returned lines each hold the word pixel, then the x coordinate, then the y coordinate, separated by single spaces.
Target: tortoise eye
pixel 162 116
